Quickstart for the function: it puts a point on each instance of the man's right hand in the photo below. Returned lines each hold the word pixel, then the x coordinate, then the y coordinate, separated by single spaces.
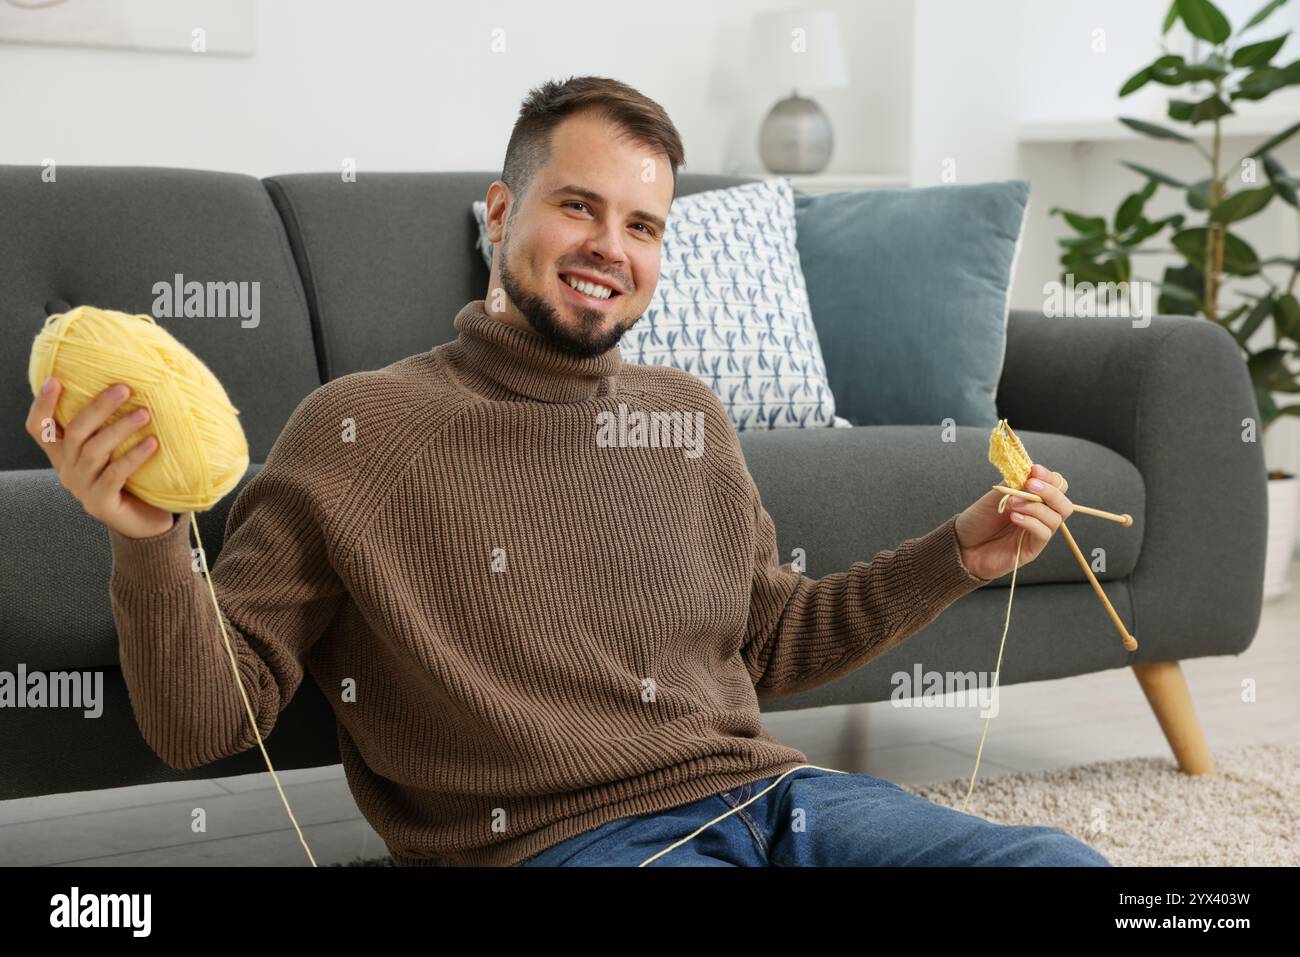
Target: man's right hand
pixel 82 453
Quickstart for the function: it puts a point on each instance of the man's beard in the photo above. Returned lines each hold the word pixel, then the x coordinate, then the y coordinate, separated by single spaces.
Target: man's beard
pixel 542 317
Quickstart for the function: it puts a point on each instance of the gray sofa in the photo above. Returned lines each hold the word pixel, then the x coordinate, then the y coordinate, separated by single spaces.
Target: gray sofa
pixel 356 275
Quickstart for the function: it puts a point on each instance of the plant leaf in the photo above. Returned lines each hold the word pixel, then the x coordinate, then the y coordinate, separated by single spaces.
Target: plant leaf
pixel 1258 54
pixel 1285 185
pixel 1176 301
pixel 1136 81
pixel 1181 291
pixel 1152 130
pixel 1238 256
pixel 1245 203
pixel 1168 69
pixel 1266 366
pixel 1156 175
pixel 1198 71
pixel 1260 83
pixel 1085 270
pixel 1188 278
pixel 1210 108
pixel 1198 195
pixel 1087 225
pixel 1203 19
pixel 1268 411
pixel 1262 15
pixel 1145 229
pixel 1172 16
pixel 1230 318
pixel 1286 313
pixel 1088 246
pixel 1128 211
pixel 1207 109
pixel 1282 137
pixel 1257 315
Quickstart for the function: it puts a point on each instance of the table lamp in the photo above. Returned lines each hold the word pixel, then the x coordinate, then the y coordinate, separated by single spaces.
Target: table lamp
pixel 797 49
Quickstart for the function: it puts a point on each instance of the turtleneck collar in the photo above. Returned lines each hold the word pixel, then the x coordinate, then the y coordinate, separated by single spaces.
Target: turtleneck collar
pixel 501 361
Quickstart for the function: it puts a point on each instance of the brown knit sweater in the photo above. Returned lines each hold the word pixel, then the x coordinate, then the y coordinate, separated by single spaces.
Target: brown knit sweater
pixel 524 632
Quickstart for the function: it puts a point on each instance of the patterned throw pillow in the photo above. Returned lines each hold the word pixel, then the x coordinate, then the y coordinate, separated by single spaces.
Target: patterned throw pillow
pixel 731 307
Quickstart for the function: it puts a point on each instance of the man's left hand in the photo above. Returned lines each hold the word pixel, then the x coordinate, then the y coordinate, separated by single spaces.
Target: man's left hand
pixel 988 538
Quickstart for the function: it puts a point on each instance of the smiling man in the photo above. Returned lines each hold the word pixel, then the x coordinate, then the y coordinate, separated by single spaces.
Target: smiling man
pixel 576 240
pixel 541 647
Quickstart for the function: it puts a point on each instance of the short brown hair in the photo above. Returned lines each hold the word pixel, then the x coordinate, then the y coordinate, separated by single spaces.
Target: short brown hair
pixel 641 118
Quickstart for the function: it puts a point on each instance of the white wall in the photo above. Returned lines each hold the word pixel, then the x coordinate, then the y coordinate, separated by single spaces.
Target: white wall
pixel 966 90
pixel 872 118
pixel 403 84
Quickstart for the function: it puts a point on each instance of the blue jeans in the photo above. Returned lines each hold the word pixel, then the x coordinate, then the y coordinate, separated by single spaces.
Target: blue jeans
pixel 816 818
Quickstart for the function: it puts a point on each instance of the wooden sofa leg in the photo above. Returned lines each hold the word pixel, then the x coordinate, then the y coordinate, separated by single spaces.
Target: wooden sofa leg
pixel 1166 689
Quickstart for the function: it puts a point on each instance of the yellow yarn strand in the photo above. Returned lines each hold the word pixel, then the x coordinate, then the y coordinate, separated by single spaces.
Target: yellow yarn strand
pixel 997 670
pixel 89 349
pixel 248 707
pixel 703 827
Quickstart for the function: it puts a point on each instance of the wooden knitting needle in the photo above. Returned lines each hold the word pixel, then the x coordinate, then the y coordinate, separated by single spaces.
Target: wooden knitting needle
pixel 1130 643
pixel 1125 519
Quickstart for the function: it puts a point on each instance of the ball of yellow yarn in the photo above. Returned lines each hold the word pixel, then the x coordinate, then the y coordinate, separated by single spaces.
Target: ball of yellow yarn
pixel 202 451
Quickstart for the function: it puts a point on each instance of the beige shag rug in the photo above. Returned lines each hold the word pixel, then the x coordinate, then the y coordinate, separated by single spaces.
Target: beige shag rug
pixel 1144 811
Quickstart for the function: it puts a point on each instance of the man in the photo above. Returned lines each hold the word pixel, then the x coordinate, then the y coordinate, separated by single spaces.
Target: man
pixel 540 648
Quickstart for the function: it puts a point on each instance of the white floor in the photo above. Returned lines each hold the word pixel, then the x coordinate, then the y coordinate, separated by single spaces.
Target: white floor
pixel 1040 725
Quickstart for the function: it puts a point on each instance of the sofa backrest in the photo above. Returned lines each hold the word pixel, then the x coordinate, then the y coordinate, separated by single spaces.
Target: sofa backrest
pixel 350 275
pixel 387 261
pixel 106 236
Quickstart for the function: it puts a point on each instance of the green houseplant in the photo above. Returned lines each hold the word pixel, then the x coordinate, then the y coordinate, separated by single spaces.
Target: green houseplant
pixel 1220 276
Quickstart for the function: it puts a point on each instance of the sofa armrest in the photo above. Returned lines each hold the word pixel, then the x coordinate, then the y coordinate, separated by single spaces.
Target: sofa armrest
pixel 1173 397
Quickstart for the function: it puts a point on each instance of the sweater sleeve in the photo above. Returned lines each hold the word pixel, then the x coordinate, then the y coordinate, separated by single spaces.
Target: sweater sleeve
pixel 805 632
pixel 276 585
